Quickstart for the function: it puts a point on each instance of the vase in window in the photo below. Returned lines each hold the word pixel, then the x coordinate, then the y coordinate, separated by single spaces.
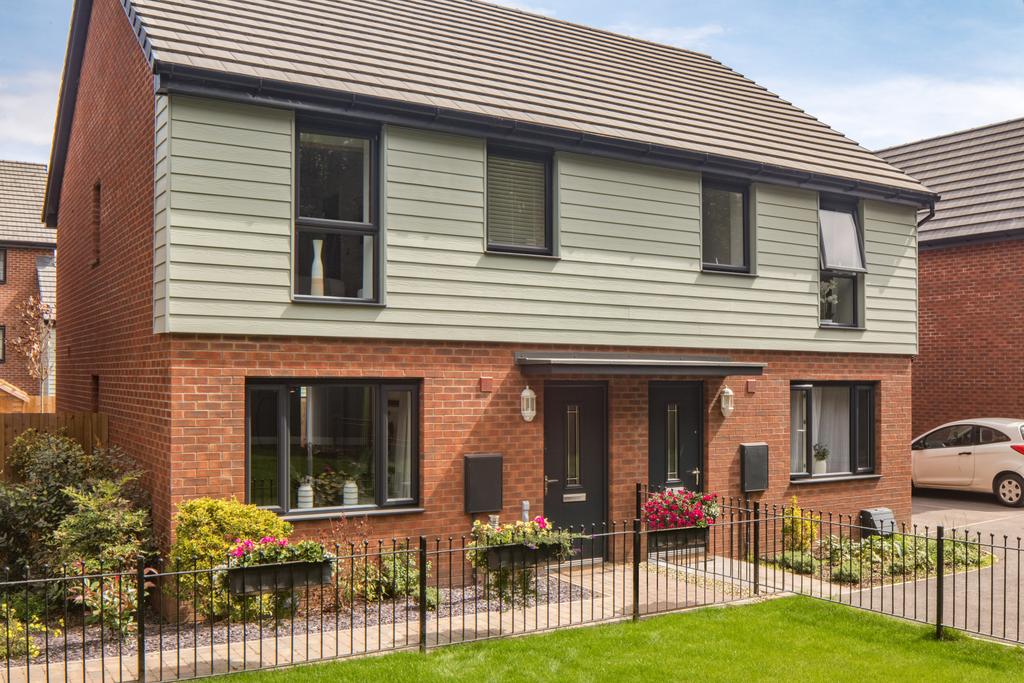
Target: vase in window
pixel 305 494
pixel 820 454
pixel 350 493
pixel 316 271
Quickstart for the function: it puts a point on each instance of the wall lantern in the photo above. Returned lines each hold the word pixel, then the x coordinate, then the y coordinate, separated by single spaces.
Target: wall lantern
pixel 528 404
pixel 727 402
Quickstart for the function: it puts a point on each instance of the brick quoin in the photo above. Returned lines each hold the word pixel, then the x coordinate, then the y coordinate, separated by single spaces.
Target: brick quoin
pixel 176 402
pixel 971 315
pixel 22 282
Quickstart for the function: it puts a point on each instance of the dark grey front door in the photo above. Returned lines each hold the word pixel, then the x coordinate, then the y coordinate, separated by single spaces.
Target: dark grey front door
pixel 575 452
pixel 675 442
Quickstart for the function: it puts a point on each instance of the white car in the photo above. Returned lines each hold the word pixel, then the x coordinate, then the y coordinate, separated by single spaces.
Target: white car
pixel 984 455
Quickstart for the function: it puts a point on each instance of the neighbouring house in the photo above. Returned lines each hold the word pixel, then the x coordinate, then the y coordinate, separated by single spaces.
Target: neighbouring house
pixel 971 273
pixel 316 256
pixel 27 269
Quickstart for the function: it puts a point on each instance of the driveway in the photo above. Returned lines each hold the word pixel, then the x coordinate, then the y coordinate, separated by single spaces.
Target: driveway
pixel 973 511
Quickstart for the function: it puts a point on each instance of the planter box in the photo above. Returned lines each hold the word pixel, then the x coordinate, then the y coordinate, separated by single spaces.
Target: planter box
pixel 519 556
pixel 278 577
pixel 663 540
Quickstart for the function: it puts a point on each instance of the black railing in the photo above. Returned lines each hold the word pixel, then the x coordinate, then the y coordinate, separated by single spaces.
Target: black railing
pixel 80 623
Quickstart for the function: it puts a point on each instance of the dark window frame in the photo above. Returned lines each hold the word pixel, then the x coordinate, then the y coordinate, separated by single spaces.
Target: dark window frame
pixel 806 388
pixel 547 157
pixel 852 207
pixel 728 186
pixel 3 266
pixel 339 227
pixel 379 389
pixel 3 343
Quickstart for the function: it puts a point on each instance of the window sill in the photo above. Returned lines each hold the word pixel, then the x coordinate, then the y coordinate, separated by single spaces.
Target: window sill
pixel 336 301
pixel 831 479
pixel 710 269
pixel 837 326
pixel 527 254
pixel 341 514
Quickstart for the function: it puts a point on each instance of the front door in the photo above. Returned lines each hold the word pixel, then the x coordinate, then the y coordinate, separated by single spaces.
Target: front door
pixel 675 443
pixel 575 453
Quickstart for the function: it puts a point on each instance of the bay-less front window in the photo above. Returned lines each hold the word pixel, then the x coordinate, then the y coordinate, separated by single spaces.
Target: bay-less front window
pixel 832 429
pixel 336 226
pixel 323 445
pixel 842 264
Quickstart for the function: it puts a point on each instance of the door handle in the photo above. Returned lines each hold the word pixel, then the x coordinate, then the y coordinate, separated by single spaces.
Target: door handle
pixel 964 453
pixel 548 481
pixel 696 477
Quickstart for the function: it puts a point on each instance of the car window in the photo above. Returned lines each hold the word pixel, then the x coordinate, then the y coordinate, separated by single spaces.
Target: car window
pixel 987 435
pixel 949 437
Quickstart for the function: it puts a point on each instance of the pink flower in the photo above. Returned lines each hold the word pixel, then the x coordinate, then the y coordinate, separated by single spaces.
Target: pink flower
pixel 541 522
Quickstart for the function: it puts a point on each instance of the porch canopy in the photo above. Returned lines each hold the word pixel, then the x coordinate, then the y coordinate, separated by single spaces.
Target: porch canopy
pixel 608 363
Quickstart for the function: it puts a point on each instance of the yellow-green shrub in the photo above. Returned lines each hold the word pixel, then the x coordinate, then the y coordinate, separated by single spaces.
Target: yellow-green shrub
pixel 13 631
pixel 799 527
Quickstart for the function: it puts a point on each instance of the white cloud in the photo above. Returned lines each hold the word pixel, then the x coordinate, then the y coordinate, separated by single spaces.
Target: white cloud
pixel 27 104
pixel 690 37
pixel 898 109
pixel 546 11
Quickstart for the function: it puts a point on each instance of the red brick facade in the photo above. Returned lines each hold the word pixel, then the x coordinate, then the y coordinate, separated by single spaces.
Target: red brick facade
pixel 177 402
pixel 21 283
pixel 970 317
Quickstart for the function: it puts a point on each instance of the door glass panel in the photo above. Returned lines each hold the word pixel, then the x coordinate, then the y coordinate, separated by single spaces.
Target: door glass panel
pixel 264 447
pixel 572 445
pixel 672 442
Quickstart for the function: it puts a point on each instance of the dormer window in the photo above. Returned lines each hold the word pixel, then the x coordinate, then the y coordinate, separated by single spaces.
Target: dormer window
pixel 842 263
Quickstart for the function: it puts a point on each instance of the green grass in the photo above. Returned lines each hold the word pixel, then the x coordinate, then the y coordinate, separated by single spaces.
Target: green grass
pixel 789 639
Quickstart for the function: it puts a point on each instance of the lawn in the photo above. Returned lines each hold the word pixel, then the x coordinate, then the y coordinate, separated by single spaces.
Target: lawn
pixel 789 639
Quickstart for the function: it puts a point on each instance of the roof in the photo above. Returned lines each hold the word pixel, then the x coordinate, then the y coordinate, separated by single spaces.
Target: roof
pixel 614 363
pixel 979 174
pixel 469 61
pixel 46 275
pixel 22 186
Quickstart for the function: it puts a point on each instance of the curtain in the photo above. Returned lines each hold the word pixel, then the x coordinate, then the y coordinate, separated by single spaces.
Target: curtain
pixel 399 451
pixel 831 428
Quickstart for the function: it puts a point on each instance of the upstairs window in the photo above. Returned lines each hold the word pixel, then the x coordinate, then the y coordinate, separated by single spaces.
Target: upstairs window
pixel 842 264
pixel 725 226
pixel 337 234
pixel 519 201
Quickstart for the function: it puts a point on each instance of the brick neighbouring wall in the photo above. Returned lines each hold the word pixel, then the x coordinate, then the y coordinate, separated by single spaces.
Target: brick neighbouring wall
pixel 208 431
pixel 970 317
pixel 22 282
pixel 106 316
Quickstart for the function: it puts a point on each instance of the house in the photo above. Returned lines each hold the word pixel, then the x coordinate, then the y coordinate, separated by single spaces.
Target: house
pixel 971 273
pixel 27 269
pixel 314 256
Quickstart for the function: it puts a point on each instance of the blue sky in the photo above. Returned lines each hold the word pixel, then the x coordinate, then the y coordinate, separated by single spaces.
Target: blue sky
pixel 882 72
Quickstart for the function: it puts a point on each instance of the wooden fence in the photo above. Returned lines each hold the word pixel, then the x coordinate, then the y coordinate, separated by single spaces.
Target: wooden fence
pixel 89 429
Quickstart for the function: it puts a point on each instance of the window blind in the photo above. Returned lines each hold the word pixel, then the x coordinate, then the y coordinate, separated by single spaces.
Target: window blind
pixel 517 203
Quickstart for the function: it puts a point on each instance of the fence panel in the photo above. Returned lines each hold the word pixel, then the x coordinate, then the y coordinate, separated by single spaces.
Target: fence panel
pixel 89 429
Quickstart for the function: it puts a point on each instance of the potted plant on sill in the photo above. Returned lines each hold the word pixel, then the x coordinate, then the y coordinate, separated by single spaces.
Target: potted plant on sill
pixel 820 453
pixel 678 519
pixel 274 564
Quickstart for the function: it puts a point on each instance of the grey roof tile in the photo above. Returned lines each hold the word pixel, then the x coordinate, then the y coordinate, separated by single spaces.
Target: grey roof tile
pixel 22 185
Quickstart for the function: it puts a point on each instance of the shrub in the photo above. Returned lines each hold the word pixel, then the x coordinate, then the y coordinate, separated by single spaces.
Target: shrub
pixel 17 637
pixel 398 576
pixel 799 528
pixel 111 601
pixel 799 561
pixel 104 528
pixel 848 572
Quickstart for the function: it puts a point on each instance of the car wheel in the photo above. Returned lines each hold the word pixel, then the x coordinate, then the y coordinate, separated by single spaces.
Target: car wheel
pixel 1010 490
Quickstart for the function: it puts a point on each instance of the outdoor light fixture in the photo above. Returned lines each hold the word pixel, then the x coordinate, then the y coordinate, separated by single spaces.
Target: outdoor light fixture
pixel 727 401
pixel 528 404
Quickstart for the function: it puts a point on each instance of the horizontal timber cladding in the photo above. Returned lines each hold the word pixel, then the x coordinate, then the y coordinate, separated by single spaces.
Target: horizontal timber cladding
pixel 627 237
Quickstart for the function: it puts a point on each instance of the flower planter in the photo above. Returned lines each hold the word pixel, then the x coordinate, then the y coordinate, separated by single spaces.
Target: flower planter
pixel 518 555
pixel 663 540
pixel 278 577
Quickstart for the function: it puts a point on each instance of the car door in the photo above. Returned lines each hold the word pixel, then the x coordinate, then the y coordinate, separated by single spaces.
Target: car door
pixel 990 450
pixel 945 457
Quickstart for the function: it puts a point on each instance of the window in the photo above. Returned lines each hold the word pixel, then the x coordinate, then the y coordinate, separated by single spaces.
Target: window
pixel 333 445
pixel 988 435
pixel 3 266
pixel 842 263
pixel 97 218
pixel 336 233
pixel 832 429
pixel 955 436
pixel 572 445
pixel 3 343
pixel 519 201
pixel 725 226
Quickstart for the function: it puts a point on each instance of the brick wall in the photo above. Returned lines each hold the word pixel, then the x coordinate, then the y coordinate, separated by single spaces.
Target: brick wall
pixel 22 282
pixel 208 412
pixel 106 317
pixel 970 318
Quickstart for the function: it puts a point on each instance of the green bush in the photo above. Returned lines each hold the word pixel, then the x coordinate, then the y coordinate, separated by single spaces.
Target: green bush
pixel 399 576
pixel 846 573
pixel 104 528
pixel 17 637
pixel 799 561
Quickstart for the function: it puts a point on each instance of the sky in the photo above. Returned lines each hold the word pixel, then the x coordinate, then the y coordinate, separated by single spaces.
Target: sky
pixel 882 72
